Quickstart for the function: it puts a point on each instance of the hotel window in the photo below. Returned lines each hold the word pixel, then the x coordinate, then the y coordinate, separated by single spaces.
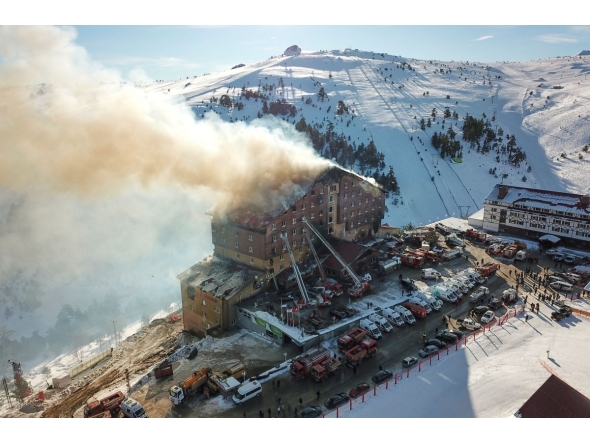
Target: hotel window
pixel 274 238
pixel 274 250
pixel 274 226
pixel 294 231
pixel 302 207
pixel 249 237
pixel 312 215
pixel 321 191
pixel 284 223
pixel 331 199
pixel 321 213
pixel 236 233
pixel 294 220
pixel 346 195
pixel 282 257
pixel 345 184
pixel 330 209
pixel 312 204
pixel 250 249
pixel 330 220
pixel 236 245
pixel 330 230
pixel 332 188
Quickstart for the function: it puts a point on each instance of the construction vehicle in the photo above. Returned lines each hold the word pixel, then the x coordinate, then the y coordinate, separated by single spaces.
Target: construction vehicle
pixel 302 365
pixel 360 288
pixel 386 267
pixel 476 235
pixel 235 370
pixel 189 387
pixel 487 269
pixel 109 406
pixel 219 382
pixel 454 240
pixel 324 369
pixel 350 339
pixel 365 349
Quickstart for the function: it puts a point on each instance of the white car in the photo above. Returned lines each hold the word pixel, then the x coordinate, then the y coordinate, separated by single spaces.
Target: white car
pixel 487 317
pixel 470 324
pixel 465 280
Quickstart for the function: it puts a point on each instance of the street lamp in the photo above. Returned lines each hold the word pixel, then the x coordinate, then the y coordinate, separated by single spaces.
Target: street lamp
pixel 285 355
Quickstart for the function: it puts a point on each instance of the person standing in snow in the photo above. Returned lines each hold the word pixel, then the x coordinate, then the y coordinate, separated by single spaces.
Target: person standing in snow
pixel 318 393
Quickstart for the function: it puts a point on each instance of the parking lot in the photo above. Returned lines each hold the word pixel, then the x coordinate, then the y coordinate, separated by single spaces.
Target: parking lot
pixel 392 348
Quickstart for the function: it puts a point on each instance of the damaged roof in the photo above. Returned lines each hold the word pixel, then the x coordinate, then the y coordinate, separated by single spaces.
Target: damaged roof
pixel 261 219
pixel 349 251
pixel 542 199
pixel 219 276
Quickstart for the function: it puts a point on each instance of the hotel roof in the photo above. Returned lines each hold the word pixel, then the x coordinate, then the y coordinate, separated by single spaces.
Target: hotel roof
pixel 574 204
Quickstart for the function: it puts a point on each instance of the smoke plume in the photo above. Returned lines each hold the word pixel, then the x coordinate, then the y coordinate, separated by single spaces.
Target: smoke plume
pixel 104 188
pixel 71 124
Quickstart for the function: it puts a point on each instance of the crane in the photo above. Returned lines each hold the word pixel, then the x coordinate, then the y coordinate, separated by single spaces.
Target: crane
pixel 360 288
pixel 296 271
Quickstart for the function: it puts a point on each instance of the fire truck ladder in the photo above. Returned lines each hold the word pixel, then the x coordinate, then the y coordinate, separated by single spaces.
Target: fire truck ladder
pixel 355 278
pixel 296 271
pixel 315 255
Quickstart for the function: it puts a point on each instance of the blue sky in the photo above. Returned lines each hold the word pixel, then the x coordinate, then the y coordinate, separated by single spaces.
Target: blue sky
pixel 172 52
pixel 191 38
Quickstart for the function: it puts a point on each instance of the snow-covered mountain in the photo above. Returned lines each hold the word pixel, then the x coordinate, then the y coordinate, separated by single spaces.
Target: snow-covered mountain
pixel 544 104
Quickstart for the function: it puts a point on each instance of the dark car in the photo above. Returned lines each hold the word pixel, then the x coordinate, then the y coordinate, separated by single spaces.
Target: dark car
pixel 428 350
pixel 310 412
pixel 557 316
pixel 481 309
pixel 336 400
pixel 349 311
pixel 449 338
pixel 381 375
pixel 339 313
pixel 437 342
pixel 359 389
pixel 409 284
pixel 455 332
pixel 564 310
pixel 495 304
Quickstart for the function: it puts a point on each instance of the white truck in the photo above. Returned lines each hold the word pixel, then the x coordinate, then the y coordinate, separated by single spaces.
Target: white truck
pixel 381 322
pixel 372 330
pixel 520 255
pixel 478 294
pixel 405 314
pixel 472 274
pixel 469 283
pixel 132 409
pixel 393 316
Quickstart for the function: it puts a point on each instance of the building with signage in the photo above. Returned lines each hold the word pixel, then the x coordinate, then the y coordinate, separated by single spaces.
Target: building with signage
pixel 533 213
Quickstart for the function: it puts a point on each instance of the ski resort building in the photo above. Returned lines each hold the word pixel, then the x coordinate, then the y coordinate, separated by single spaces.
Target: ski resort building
pixel 532 213
pixel 250 251
pixel 339 203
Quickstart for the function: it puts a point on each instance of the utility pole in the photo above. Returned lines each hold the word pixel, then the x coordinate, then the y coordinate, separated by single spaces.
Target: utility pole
pixel 114 330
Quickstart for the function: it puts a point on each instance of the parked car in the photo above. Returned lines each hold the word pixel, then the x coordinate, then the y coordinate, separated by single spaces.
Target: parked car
pixel 311 412
pixel 410 361
pixel 481 309
pixel 409 284
pixel 551 252
pixel 449 338
pixel 336 400
pixel 359 390
pixel 436 342
pixel 495 304
pixel 558 257
pixel 487 317
pixel 569 259
pixel 339 313
pixel 428 350
pixel 557 316
pixel 381 376
pixel 457 333
pixel 470 324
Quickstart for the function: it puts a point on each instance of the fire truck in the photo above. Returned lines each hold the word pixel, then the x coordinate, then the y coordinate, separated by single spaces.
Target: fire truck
pixel 365 349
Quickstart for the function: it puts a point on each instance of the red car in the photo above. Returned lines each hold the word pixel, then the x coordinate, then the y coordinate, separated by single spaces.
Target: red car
pixel 359 390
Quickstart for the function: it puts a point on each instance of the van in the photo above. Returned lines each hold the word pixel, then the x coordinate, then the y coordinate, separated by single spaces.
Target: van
pixel 405 314
pixel 381 322
pixel 444 293
pixel 465 280
pixel 247 391
pixel 435 303
pixel 132 409
pixel 430 273
pixel 393 316
pixel 520 256
pixel 561 286
pixel 372 330
pixel 457 285
pixel 417 310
